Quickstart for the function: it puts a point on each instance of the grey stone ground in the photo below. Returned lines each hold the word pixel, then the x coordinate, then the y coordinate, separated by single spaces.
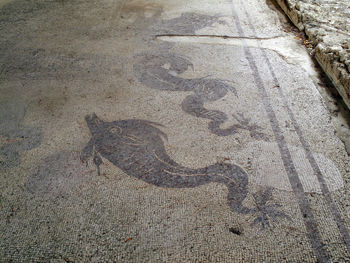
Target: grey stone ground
pixel 327 25
pixel 165 131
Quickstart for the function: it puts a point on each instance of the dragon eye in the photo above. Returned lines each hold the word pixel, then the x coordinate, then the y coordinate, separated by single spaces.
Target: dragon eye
pixel 115 130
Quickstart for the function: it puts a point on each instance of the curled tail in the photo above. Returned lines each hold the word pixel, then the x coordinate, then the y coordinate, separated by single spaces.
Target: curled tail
pixel 232 176
pixel 194 105
pixel 236 181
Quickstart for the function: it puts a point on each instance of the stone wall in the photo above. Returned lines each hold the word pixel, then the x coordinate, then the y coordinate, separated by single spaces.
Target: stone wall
pixel 327 25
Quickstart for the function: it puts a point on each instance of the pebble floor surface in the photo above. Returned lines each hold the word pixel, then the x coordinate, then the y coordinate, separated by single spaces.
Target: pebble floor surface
pixel 164 131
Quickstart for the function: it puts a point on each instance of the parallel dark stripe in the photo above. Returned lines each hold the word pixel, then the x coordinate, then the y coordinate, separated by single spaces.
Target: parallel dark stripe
pixel 304 205
pixel 309 155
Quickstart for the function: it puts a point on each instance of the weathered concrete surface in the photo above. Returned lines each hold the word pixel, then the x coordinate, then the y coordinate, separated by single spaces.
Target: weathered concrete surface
pixel 327 25
pixel 164 131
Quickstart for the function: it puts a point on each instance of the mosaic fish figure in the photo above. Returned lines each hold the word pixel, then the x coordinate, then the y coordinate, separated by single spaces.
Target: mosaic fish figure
pixel 137 148
pixel 162 70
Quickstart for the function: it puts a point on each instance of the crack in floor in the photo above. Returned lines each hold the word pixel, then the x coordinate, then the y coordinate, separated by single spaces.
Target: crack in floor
pixel 214 37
